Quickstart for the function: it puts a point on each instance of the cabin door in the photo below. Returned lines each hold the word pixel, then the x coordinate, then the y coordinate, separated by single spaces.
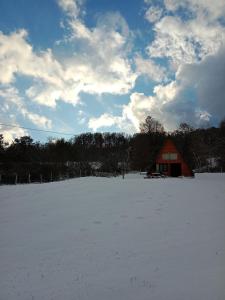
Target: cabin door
pixel 175 170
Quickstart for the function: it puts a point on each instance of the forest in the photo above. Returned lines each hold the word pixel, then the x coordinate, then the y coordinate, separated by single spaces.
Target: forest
pixel 109 154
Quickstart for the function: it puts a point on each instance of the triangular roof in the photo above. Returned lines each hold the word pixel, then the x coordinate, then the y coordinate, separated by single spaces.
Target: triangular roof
pixel 168 146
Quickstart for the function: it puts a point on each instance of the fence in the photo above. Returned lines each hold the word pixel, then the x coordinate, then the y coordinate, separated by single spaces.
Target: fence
pixel 34 177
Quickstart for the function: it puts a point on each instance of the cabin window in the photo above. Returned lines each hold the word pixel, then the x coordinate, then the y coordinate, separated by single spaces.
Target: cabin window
pixel 169 156
pixel 163 168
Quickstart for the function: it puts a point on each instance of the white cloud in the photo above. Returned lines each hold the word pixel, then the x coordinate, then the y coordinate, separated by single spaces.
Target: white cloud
pixel 10 133
pixel 185 41
pixel 99 61
pixel 153 13
pixel 196 96
pixel 194 45
pixel 71 7
pixel 211 9
pixel 51 81
pixel 203 116
pixel 148 67
pixel 189 36
pixel 166 93
pixel 127 122
pixel 105 120
pixel 140 106
pixel 17 57
pixel 9 94
pixel 12 101
pixel 100 65
pixel 48 95
pixel 82 117
pixel 36 119
pixel 132 113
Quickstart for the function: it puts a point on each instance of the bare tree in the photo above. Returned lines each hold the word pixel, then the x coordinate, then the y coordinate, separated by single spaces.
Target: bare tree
pixel 151 125
pixel 185 128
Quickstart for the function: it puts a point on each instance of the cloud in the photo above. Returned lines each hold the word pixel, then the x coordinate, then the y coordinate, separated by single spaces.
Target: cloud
pixel 151 69
pixel 189 36
pixel 141 106
pixel 153 14
pixel 100 63
pixel 10 133
pixel 210 9
pixel 12 102
pixel 17 57
pixel 10 95
pixel 185 41
pixel 105 120
pixel 195 96
pixel 194 45
pixel 132 114
pixel 207 80
pixel 52 81
pixel 48 95
pixel 36 119
pixel 189 30
pixel 70 7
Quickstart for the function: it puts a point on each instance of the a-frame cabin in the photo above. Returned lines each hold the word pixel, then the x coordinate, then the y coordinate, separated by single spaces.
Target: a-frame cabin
pixel 170 162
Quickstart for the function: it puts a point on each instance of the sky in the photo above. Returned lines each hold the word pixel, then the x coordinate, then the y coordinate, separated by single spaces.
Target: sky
pixel 73 66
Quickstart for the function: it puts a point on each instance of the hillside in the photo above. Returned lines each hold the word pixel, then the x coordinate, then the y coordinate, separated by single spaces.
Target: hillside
pixel 107 239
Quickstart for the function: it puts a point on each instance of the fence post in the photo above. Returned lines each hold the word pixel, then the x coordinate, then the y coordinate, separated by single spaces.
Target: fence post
pixel 51 176
pixel 40 178
pixel 28 177
pixel 16 178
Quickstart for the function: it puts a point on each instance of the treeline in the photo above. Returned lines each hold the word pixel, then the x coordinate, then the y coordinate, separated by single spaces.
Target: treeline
pixel 25 160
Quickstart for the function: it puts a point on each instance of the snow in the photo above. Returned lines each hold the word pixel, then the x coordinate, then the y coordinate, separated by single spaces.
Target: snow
pixel 109 238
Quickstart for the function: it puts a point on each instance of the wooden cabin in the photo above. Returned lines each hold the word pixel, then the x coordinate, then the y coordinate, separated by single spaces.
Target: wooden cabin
pixel 170 162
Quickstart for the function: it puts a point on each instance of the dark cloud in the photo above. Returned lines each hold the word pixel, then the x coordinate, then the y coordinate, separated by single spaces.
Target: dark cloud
pixel 201 96
pixel 208 80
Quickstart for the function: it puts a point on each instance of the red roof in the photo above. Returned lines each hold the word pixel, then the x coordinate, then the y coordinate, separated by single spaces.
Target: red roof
pixel 168 148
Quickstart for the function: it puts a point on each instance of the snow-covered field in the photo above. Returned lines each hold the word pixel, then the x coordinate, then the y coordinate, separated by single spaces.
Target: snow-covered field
pixel 114 239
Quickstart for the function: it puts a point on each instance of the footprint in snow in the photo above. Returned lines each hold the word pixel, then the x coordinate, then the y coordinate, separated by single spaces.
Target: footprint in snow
pixel 97 222
pixel 140 201
pixel 83 229
pixel 124 216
